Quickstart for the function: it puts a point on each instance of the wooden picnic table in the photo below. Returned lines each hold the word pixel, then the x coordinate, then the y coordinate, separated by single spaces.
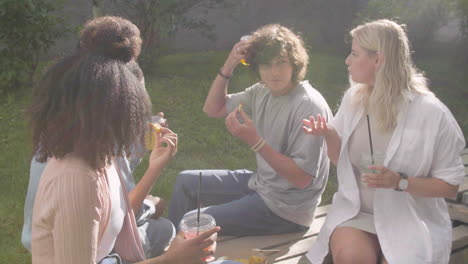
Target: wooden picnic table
pixel 293 246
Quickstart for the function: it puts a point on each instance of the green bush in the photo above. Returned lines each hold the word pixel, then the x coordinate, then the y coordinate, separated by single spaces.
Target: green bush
pixel 27 30
pixel 422 17
pixel 158 20
pixel 461 7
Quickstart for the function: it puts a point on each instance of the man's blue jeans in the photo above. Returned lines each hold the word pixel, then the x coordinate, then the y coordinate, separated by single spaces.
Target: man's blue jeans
pixel 225 195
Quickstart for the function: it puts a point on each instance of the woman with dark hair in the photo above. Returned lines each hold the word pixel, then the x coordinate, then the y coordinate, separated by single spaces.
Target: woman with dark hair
pixel 155 231
pixel 88 109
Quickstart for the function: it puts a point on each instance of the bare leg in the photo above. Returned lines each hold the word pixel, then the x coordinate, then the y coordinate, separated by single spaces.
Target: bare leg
pixel 351 245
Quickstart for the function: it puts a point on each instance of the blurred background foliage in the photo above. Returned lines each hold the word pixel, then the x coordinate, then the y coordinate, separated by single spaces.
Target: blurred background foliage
pixel 28 29
pixel 158 20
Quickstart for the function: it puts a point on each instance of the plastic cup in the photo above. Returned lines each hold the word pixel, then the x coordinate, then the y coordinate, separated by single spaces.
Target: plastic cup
pixel 191 229
pixel 153 129
pixel 243 61
pixel 246 37
pixel 366 161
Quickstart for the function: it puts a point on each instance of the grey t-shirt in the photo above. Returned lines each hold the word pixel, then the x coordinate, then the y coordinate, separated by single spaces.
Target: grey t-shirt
pixel 278 119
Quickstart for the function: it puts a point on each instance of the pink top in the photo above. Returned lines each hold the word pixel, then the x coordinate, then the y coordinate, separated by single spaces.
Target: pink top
pixel 71 212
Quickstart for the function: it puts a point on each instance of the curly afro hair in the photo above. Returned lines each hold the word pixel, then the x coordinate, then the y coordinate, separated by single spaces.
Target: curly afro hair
pixel 112 37
pixel 93 102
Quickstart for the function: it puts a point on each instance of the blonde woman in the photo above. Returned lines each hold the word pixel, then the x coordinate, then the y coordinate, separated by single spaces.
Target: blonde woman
pixel 395 213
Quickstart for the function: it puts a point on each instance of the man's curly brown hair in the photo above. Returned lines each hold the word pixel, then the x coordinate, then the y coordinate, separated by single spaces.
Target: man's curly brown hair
pixel 274 40
pixel 93 102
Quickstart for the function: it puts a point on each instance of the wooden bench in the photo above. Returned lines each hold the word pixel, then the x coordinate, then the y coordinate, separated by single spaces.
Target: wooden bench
pixel 458 209
pixel 293 246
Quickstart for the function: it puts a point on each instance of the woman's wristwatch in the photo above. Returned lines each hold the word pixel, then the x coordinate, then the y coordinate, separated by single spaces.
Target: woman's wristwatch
pixel 403 183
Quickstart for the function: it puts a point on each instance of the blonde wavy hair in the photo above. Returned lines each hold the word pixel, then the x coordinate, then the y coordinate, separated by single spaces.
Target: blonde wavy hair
pixel 395 78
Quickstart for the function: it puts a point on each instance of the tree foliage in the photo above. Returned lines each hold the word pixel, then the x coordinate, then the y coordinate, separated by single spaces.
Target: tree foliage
pixel 462 10
pixel 422 17
pixel 331 20
pixel 159 19
pixel 27 29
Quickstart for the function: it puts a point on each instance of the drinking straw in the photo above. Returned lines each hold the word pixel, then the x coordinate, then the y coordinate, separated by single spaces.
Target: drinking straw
pixel 370 140
pixel 198 203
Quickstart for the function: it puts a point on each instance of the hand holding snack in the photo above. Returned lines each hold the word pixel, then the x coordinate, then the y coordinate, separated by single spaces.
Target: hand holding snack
pixel 241 126
pixel 165 147
pixel 154 128
pixel 150 137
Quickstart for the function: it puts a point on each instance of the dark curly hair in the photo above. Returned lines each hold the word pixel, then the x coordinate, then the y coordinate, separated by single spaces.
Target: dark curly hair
pixel 273 40
pixel 93 102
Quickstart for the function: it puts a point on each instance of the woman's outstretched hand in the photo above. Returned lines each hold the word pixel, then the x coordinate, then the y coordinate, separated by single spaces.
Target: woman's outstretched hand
pixel 319 127
pixel 315 126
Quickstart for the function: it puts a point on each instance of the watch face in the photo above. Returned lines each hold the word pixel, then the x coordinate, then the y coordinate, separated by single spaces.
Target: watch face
pixel 403 184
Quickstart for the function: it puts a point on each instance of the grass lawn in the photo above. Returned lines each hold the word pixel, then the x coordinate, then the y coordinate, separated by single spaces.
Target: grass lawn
pixel 178 85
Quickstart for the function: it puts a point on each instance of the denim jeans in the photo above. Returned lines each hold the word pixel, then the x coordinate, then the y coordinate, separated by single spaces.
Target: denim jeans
pixel 112 258
pixel 225 195
pixel 156 234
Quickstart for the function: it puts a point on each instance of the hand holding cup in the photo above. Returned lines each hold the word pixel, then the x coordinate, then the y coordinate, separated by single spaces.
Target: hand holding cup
pixel 236 56
pixel 375 174
pixel 191 251
pixel 193 228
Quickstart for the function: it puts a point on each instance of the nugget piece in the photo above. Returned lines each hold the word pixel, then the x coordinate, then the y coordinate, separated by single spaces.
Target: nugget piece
pixel 150 137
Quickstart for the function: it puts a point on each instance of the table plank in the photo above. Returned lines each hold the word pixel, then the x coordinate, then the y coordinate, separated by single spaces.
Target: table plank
pixel 465 152
pixel 458 212
pixel 242 247
pixel 297 249
pixel 462 195
pixel 321 211
pixel 459 237
pixel 459 257
pixel 303 260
